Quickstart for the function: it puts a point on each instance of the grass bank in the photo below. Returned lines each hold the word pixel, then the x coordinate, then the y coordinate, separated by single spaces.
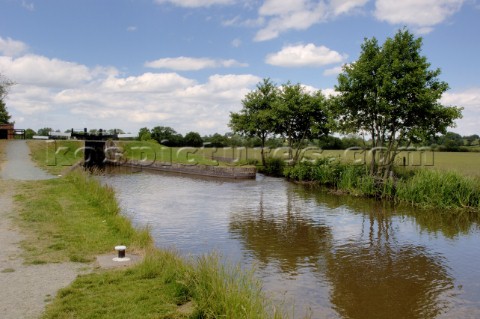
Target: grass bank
pixel 420 187
pixel 56 157
pixel 74 218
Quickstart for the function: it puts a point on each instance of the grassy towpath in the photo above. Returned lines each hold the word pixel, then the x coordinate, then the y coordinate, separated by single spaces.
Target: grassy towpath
pixel 72 219
pixel 26 287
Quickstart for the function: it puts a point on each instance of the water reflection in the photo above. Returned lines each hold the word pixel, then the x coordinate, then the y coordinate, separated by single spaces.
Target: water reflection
pixel 371 275
pixel 337 255
pixel 283 238
pixel 374 275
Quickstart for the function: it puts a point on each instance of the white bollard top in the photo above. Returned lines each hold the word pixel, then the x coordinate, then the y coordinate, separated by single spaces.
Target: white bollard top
pixel 117 248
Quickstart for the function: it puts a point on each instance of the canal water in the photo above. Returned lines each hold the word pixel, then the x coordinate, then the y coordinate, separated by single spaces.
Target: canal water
pixel 329 256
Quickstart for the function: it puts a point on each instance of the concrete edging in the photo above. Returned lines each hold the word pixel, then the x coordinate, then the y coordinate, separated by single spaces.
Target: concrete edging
pixel 233 172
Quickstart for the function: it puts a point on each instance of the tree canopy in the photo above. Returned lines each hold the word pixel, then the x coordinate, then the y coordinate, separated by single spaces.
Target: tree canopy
pixel 5 84
pixel 391 93
pixel 300 116
pixel 256 119
pixel 288 111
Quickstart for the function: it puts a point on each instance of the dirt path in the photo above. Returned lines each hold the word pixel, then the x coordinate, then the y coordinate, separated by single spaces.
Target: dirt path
pixel 24 289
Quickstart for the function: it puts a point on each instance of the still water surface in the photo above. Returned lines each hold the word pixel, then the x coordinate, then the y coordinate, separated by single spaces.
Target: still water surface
pixel 332 256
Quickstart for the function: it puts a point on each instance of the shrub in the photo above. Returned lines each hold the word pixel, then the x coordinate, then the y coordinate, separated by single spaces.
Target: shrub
pixel 433 188
pixel 273 167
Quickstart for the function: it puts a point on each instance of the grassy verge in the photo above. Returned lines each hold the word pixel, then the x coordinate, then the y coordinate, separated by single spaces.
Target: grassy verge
pixel 150 151
pixel 444 189
pixel 56 157
pixel 74 218
pixel 421 187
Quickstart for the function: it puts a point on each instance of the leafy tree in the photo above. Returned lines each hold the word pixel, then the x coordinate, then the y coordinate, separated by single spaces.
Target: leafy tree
pixel 471 139
pixel 29 133
pixel 193 139
pixel 167 136
pixel 144 134
pixel 299 116
pixel 4 115
pixel 5 84
pixel 391 94
pixel 216 140
pixel 352 141
pixel 113 131
pixel 44 131
pixel 256 119
pixel 330 143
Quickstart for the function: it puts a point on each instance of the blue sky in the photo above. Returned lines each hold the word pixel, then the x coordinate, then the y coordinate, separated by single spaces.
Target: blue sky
pixel 188 63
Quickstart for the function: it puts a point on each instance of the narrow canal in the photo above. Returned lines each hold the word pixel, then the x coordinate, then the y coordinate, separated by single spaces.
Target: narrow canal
pixel 331 256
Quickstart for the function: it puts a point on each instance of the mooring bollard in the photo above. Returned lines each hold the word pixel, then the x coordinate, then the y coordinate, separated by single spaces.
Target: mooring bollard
pixel 121 251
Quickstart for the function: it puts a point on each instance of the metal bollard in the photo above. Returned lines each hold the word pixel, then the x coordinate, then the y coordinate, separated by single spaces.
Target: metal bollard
pixel 121 251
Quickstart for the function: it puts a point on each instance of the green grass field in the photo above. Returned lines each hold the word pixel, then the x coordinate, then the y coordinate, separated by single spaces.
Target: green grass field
pixel 57 156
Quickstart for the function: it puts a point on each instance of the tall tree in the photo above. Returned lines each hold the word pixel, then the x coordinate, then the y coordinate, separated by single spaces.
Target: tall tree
pixel 300 116
pixel 167 136
pixel 144 134
pixel 5 84
pixel 4 115
pixel 255 119
pixel 193 139
pixel 391 93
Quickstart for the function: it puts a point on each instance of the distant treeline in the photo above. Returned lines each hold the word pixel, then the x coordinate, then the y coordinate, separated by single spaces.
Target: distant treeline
pixel 450 142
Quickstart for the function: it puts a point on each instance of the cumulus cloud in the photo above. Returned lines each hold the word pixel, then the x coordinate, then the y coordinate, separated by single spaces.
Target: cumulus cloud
pixel 61 94
pixel 339 7
pixel 147 82
pixel 11 48
pixel 195 3
pixel 304 56
pixel 423 15
pixel 283 16
pixel 192 64
pixel 42 71
pixel 333 71
pixel 470 101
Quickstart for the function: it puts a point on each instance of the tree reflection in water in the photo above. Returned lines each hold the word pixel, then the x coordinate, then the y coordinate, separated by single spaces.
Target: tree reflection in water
pixel 376 277
pixel 286 239
pixel 371 274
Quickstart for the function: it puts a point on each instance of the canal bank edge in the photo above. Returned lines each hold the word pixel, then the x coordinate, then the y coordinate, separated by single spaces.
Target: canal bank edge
pixel 232 172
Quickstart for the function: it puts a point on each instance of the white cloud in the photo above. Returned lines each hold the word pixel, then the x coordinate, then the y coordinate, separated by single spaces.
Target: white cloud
pixel 329 92
pixel 147 82
pixel 283 16
pixel 423 15
pixel 333 71
pixel 41 71
pixel 304 55
pixel 470 101
pixel 192 64
pixel 60 94
pixel 236 43
pixel 339 7
pixel 11 47
pixel 132 28
pixel 30 6
pixel 196 3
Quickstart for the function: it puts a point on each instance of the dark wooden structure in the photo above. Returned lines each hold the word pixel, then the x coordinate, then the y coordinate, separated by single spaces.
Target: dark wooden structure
pixel 94 152
pixel 7 131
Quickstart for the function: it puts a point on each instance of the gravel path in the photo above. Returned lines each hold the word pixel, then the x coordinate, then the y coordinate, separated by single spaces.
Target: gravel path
pixel 24 289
